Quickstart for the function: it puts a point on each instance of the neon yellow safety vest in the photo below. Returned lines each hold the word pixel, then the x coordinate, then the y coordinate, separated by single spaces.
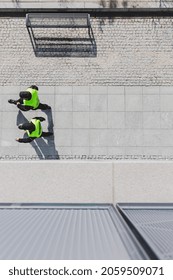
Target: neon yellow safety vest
pixel 38 129
pixel 34 101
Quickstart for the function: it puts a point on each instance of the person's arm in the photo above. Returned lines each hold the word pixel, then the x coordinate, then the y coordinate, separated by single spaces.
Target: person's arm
pixel 23 107
pixel 40 118
pixel 25 140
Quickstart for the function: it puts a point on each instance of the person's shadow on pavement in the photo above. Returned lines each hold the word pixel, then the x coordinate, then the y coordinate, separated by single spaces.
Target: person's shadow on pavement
pixel 44 147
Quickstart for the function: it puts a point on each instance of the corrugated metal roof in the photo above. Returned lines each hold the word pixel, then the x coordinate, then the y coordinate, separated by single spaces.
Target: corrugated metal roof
pixel 154 223
pixel 65 232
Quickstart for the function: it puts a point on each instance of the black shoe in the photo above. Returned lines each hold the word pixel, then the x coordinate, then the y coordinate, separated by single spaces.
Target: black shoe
pixel 11 101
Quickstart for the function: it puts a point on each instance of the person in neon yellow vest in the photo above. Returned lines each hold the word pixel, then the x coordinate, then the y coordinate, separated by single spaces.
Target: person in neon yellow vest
pixel 33 129
pixel 29 100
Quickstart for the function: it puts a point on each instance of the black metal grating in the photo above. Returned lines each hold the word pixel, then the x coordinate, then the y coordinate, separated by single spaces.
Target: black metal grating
pixel 61 20
pixel 61 34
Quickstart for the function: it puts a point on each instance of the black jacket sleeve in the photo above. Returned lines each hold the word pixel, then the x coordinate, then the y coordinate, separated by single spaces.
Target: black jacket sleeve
pixel 26 140
pixel 24 108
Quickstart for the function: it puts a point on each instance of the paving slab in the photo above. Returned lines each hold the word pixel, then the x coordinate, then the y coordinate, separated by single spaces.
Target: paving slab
pixel 116 120
pixel 152 120
pixel 79 134
pixel 81 102
pixel 98 103
pixel 80 137
pixel 151 103
pixel 133 119
pixel 81 120
pixel 98 120
pixel 116 103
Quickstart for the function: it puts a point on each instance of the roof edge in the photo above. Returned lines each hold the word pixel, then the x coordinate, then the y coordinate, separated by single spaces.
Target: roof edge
pixel 126 12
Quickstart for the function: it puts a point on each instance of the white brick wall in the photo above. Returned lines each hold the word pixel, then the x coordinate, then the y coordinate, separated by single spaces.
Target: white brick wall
pixel 86 4
pixel 130 51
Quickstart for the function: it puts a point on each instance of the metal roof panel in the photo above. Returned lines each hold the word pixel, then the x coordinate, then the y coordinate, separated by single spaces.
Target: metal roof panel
pixel 63 232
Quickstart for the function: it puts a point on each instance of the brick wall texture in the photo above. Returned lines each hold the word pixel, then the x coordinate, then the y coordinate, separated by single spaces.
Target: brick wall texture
pixel 86 4
pixel 130 51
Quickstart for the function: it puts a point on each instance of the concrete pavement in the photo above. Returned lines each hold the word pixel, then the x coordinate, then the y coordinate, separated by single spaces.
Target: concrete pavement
pixel 117 104
pixel 92 123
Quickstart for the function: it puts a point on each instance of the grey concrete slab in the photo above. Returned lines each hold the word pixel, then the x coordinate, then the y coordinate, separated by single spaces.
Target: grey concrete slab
pixel 98 120
pixel 1 107
pixel 82 151
pixel 148 151
pixel 166 120
pixel 166 102
pixel 151 120
pixel 81 120
pixel 166 138
pixel 133 119
pixel 63 120
pixel 98 151
pixel 65 151
pixel 107 137
pixel 151 90
pixel 12 90
pixel 116 90
pixel 63 90
pixel 116 103
pixel 116 137
pixel 133 138
pixel 133 102
pixel 133 90
pixel 116 119
pixel 98 137
pixel 46 90
pixel 81 90
pixel 166 90
pixel 81 103
pixel 8 138
pixel 118 129
pixel 9 151
pixel 9 119
pixel 1 90
pixel 151 103
pixel 167 151
pixel 63 137
pixel 5 106
pixel 116 151
pixel 28 150
pixel 152 138
pixel 63 102
pixel 98 103
pixel 133 151
pixel 98 90
pixel 0 119
pixel 80 137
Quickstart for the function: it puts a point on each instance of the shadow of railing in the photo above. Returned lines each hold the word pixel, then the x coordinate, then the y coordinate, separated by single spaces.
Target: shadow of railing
pixel 54 46
pixel 44 147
